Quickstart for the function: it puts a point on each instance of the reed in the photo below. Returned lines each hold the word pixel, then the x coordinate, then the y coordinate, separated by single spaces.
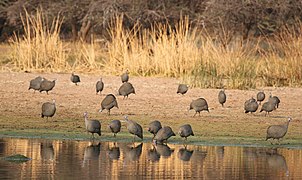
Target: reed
pixel 182 52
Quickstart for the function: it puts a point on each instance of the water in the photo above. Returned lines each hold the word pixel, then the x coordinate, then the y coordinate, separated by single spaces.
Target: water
pixel 60 159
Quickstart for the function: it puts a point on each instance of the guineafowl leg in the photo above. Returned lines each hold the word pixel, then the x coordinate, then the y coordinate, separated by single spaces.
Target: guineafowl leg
pixel 109 112
pixel 114 135
pixel 199 113
pixel 195 114
pixel 47 92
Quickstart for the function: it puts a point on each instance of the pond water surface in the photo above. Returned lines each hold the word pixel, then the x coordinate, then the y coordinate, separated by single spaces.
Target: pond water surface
pixel 66 159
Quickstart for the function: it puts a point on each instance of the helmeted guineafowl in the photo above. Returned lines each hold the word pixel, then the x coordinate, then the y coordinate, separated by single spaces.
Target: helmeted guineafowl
pixel 48 109
pixel 154 127
pixel 99 86
pixel 125 76
pixel 185 131
pixel 163 135
pixel 221 97
pixel 199 105
pixel 268 107
pixel 275 100
pixel 260 96
pixel 126 89
pixel 134 128
pixel 47 85
pixel 92 126
pixel 182 89
pixel 250 105
pixel 115 126
pixel 35 83
pixel 277 131
pixel 108 103
pixel 75 78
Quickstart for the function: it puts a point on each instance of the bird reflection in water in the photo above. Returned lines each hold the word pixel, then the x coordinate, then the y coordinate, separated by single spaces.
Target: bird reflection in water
pixel 114 152
pixel 132 153
pixel 92 152
pixel 47 150
pixel 164 150
pixel 153 155
pixel 277 161
pixel 184 154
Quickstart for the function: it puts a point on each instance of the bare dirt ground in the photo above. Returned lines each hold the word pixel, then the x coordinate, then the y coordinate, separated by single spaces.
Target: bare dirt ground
pixel 155 98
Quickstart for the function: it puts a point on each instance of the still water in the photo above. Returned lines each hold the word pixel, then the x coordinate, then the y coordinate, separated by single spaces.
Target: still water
pixel 66 159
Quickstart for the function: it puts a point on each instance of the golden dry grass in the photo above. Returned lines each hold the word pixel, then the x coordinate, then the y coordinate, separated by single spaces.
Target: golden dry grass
pixel 182 52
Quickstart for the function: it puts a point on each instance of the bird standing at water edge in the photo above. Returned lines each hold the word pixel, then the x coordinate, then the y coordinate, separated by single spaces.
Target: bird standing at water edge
pixel 154 127
pixel 48 109
pixel 75 79
pixel 115 126
pixel 163 135
pixel 277 131
pixel 185 131
pixel 92 126
pixel 222 97
pixel 134 128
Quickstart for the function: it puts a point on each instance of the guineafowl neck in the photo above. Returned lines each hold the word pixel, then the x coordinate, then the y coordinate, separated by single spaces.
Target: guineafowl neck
pixel 86 120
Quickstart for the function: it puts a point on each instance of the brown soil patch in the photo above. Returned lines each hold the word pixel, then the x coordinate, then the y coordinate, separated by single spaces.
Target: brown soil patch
pixel 155 98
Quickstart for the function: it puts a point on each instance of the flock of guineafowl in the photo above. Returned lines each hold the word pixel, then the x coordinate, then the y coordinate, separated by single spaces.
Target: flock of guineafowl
pixel 161 134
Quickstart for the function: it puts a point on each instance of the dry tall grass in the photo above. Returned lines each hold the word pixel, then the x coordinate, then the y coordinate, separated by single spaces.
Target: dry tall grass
pixel 41 48
pixel 182 52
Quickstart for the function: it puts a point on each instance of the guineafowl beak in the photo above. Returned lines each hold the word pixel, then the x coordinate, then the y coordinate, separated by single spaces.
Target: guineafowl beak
pixel 100 110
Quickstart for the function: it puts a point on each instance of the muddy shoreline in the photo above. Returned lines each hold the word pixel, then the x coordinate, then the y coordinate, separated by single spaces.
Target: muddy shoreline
pixel 155 99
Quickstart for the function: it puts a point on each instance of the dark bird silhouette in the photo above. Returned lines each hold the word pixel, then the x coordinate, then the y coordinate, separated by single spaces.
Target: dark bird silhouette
pixel 108 103
pixel 115 126
pixel 185 131
pixel 260 97
pixel 48 109
pixel 125 76
pixel 154 127
pixel 275 100
pixel 222 97
pixel 35 83
pixel 99 86
pixel 92 126
pixel 268 107
pixel 75 78
pixel 134 128
pixel 184 154
pixel 182 89
pixel 277 131
pixel 47 85
pixel 250 105
pixel 126 89
pixel 199 105
pixel 163 135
